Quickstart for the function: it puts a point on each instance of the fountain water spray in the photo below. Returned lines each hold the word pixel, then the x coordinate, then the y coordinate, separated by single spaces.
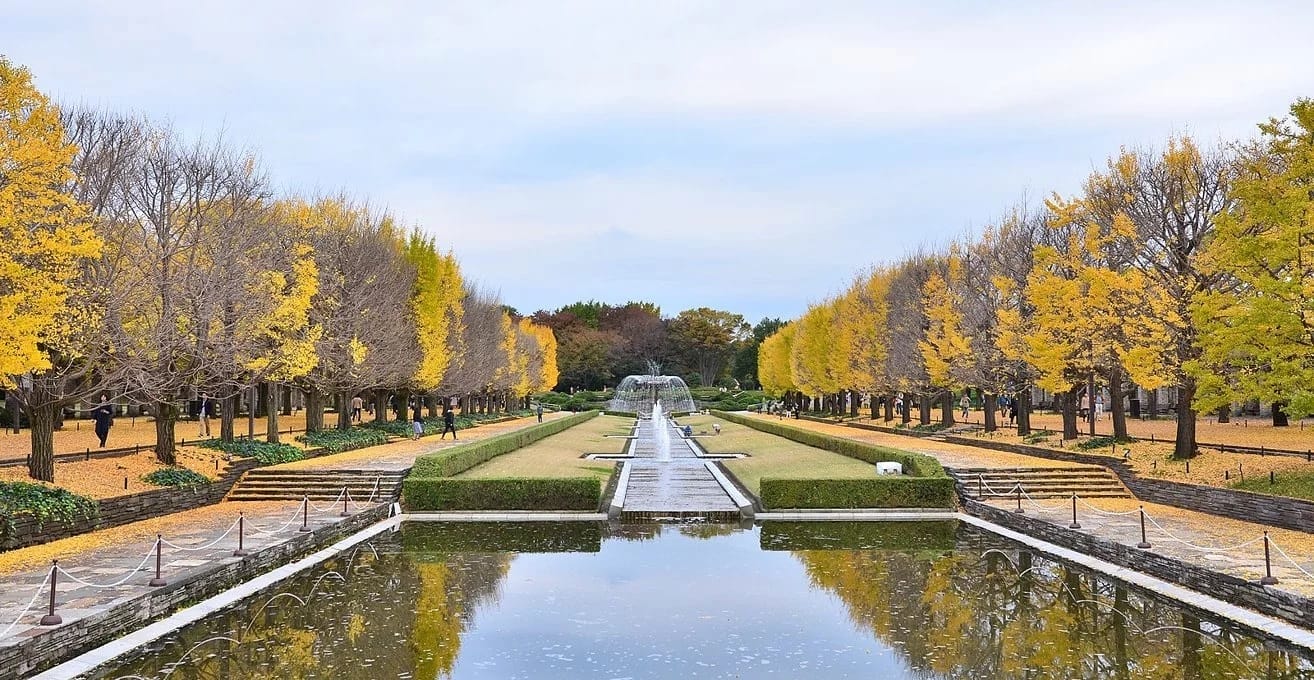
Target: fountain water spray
pixel 639 394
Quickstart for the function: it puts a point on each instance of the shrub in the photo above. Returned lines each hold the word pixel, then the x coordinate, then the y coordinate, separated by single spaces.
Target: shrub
pixel 1037 437
pixel 458 459
pixel 264 452
pixel 337 441
pixel 175 476
pixel 930 427
pixel 45 503
pixel 1097 443
pixel 876 492
pixel 506 493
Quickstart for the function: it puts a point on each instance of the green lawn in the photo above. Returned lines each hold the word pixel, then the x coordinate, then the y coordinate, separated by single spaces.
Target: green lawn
pixel 559 455
pixel 773 456
pixel 1290 484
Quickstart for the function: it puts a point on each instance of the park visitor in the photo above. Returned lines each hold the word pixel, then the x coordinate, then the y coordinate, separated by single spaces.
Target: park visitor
pixel 417 420
pixel 203 416
pixel 538 411
pixel 965 406
pixel 356 404
pixel 103 416
pixel 449 424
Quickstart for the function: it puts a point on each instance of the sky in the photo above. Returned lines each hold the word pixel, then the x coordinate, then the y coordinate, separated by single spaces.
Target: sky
pixel 744 155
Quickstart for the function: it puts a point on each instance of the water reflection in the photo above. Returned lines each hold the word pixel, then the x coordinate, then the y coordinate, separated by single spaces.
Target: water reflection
pixel 835 599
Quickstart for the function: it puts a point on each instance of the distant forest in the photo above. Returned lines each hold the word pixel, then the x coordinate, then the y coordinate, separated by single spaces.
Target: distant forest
pixel 598 344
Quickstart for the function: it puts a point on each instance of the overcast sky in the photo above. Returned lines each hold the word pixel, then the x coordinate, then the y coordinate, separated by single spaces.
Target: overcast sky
pixel 743 155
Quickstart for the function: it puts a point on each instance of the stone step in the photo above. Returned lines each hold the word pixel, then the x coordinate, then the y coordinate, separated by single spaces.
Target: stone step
pixel 1023 470
pixel 1043 495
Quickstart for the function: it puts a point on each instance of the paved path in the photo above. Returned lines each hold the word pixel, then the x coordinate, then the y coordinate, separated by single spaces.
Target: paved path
pixel 666 476
pixel 1190 536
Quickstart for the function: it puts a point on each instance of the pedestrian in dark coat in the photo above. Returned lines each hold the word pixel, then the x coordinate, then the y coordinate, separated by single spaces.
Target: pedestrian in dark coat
pixel 103 415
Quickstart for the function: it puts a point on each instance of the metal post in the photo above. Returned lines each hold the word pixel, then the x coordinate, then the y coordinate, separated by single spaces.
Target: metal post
pixel 159 550
pixel 1144 544
pixel 1188 466
pixel 1075 524
pixel 1267 580
pixel 51 618
pixel 305 514
pixel 241 529
pixel 1271 478
pixel 344 502
pixel 980 482
pixel 1019 509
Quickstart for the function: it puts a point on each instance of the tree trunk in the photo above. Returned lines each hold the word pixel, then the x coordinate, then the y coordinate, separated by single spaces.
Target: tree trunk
pixel 1185 446
pixel 287 400
pixel 15 415
pixel 991 409
pixel 272 391
pixel 1225 414
pixel 1117 411
pixel 380 406
pixel 1280 414
pixel 314 410
pixel 925 410
pixel 344 410
pixel 1152 397
pixel 41 419
pixel 262 400
pixel 252 395
pixel 1068 401
pixel 432 402
pixel 889 408
pixel 855 400
pixel 227 415
pixel 165 417
pixel 1090 404
pixel 1023 412
pixel 947 408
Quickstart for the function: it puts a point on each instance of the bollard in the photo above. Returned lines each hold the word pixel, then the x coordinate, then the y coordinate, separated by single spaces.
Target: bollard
pixel 216 464
pixel 241 529
pixel 305 514
pixel 1271 478
pixel 980 482
pixel 125 483
pixel 1154 464
pixel 51 618
pixel 1019 509
pixel 159 551
pixel 136 449
pixel 1267 580
pixel 1151 437
pixel 344 502
pixel 1144 544
pixel 1188 466
pixel 1227 474
pixel 88 455
pixel 1261 450
pixel 1075 524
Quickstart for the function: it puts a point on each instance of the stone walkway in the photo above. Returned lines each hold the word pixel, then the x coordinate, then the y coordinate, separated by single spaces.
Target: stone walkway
pixel 1190 536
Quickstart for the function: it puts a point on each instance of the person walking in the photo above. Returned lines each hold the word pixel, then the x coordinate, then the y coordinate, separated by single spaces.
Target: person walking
pixel 417 419
pixel 356 405
pixel 449 423
pixel 1099 407
pixel 103 415
pixel 538 411
pixel 965 406
pixel 1012 412
pixel 203 417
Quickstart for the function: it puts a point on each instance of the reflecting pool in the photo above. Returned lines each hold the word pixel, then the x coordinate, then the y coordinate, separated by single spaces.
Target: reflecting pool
pixel 789 600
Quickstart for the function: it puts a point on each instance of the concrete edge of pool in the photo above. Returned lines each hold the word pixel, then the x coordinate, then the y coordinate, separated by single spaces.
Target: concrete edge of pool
pixel 88 661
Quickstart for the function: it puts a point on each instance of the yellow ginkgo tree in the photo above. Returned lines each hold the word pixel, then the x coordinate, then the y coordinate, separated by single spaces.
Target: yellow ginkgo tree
pixel 46 239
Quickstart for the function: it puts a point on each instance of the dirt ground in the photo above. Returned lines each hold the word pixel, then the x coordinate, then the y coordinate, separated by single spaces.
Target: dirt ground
pixel 77 435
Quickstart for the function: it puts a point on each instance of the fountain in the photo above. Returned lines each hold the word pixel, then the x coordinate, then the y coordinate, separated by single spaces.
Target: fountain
pixel 639 394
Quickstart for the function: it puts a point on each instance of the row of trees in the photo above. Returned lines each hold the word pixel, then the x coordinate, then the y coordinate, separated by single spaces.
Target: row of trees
pixel 137 262
pixel 1179 267
pixel 602 343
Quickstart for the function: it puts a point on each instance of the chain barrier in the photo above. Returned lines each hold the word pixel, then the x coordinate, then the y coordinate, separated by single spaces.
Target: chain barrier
pixel 35 596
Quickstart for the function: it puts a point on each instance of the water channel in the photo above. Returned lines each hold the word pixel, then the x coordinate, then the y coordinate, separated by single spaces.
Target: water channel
pixel 790 600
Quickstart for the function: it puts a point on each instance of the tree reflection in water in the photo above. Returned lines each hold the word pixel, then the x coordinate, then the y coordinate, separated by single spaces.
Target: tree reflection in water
pixel 993 610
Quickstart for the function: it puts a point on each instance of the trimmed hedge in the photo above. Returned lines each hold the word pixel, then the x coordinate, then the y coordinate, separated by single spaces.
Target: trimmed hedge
pixel 506 493
pixel 924 483
pixel 914 464
pixel 878 492
pixel 432 485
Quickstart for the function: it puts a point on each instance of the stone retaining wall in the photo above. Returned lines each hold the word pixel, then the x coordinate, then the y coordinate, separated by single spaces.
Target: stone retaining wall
pixel 126 509
pixel 1277 511
pixel 1277 603
pixel 64 642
